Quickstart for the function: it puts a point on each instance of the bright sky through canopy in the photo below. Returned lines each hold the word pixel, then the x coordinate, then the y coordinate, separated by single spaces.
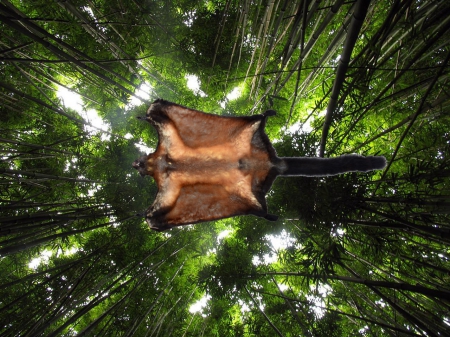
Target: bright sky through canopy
pixel 73 101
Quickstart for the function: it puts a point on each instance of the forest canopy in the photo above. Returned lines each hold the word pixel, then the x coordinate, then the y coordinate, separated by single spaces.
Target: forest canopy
pixel 360 254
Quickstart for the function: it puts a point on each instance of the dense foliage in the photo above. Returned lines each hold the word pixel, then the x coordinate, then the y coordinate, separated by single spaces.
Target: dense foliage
pixel 356 254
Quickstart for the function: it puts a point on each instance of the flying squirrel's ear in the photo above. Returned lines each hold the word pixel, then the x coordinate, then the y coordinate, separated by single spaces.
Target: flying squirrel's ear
pixel 269 113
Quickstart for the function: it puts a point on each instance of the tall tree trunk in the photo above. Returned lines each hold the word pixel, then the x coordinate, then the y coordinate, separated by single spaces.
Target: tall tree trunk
pixel 317 167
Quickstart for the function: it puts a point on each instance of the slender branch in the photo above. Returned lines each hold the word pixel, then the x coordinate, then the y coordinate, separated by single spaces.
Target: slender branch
pixel 263 313
pixel 355 27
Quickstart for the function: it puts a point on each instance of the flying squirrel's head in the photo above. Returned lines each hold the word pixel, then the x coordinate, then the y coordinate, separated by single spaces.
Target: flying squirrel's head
pixel 144 165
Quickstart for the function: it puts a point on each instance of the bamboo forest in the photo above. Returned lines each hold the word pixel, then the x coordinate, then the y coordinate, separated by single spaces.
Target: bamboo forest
pixel 357 254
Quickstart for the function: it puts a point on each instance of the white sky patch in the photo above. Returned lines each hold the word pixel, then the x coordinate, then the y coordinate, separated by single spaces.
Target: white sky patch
pixel 443 257
pixel 190 17
pixel 141 95
pixel 283 286
pixel 67 252
pixel 94 188
pixel 381 303
pixel 73 101
pixel 113 221
pixel 199 305
pixel 143 148
pixel 244 306
pixel 193 83
pixel 338 232
pixel 267 259
pixel 71 163
pixel 281 241
pixel 43 258
pixel 300 126
pixel 128 136
pixel 70 99
pixel 223 235
pixel 261 304
pixel 88 10
pixel 92 117
pixel 336 60
pixel 234 94
pixel 71 251
pixel 318 301
pixel 362 331
pixel 250 41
